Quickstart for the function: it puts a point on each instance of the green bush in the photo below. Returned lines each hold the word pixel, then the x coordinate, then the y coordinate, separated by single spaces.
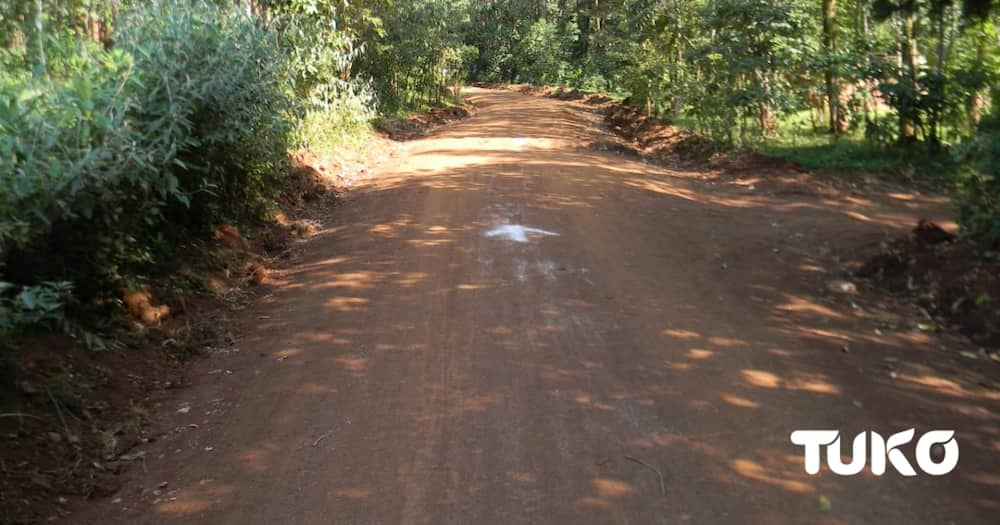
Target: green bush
pixel 337 116
pixel 214 93
pixel 33 306
pixel 332 111
pixel 70 164
pixel 543 54
pixel 110 158
pixel 978 198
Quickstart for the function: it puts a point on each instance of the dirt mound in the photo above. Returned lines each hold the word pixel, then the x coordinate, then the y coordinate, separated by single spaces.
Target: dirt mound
pixel 489 85
pixel 417 126
pixel 754 161
pixel 927 233
pixel 956 281
pixel 305 182
pixel 141 305
pixel 559 93
pixel 759 172
pixel 568 94
pixel 586 97
pixel 655 138
pixel 542 91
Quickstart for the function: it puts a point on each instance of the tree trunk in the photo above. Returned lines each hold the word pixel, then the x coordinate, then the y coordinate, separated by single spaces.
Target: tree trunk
pixel 583 23
pixel 561 24
pixel 38 36
pixel 830 44
pixel 909 119
pixel 676 101
pixel 977 100
pixel 864 30
pixel 765 113
pixel 934 115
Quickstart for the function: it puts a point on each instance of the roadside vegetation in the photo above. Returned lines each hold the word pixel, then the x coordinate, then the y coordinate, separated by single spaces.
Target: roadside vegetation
pixel 128 128
pixel 141 142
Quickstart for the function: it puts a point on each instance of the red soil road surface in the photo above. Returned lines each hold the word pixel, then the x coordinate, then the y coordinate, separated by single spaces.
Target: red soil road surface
pixel 407 368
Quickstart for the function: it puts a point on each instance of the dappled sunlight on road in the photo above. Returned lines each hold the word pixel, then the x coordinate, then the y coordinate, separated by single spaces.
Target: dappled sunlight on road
pixel 648 361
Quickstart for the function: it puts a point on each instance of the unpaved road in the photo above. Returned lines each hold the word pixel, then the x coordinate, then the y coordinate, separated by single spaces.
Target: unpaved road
pixel 643 362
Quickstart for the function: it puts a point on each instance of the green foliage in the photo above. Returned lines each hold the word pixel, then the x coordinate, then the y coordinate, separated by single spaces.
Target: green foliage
pixel 27 308
pixel 333 109
pixel 543 54
pixel 127 128
pixel 801 139
pixel 111 157
pixel 416 52
pixel 978 198
pixel 745 83
pixel 214 100
pixel 69 166
pixel 33 306
pixel 114 153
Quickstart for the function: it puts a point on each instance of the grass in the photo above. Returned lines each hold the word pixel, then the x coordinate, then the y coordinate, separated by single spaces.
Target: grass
pixel 326 132
pixel 846 153
pixel 798 141
pixel 403 109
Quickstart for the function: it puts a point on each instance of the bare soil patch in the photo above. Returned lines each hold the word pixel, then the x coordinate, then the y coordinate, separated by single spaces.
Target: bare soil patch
pixel 957 282
pixel 72 415
pixel 419 125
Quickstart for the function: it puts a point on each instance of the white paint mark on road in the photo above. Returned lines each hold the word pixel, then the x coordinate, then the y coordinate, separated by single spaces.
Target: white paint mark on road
pixel 521 270
pixel 547 269
pixel 517 233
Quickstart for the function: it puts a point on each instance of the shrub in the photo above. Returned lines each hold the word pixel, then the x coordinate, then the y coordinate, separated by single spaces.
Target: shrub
pixel 332 111
pixel 33 306
pixel 215 95
pixel 543 54
pixel 70 165
pixel 338 114
pixel 978 197
pixel 112 157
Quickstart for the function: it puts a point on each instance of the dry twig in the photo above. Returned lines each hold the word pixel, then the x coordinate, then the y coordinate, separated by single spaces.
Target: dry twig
pixel 663 487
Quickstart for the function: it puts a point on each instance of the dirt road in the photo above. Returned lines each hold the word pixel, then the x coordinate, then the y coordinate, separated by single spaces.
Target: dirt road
pixel 503 327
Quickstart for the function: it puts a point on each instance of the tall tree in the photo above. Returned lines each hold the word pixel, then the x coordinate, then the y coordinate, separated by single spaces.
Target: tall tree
pixel 830 74
pixel 583 17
